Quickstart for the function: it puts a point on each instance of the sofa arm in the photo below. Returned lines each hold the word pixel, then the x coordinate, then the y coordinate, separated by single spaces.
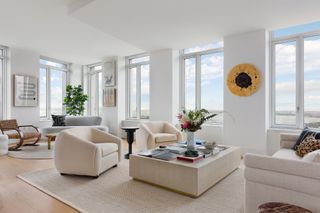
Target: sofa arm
pixel 286 166
pixel 144 138
pixel 74 155
pixel 287 140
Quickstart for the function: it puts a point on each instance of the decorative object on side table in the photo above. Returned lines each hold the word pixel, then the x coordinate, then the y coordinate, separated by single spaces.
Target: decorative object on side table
pixel 192 121
pixel 74 100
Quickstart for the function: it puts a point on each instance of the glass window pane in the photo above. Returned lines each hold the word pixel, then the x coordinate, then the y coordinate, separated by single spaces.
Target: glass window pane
pixel 133 92
pixel 212 84
pixel 190 83
pixel 93 94
pixel 57 91
pixel 203 47
pixel 312 81
pixel 139 60
pixel 43 93
pixel 296 29
pixel 145 100
pixel 285 83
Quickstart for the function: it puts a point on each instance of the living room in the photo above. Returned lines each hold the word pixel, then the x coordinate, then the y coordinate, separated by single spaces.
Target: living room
pixel 237 81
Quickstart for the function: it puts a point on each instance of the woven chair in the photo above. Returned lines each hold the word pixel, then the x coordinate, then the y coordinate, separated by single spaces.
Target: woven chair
pixel 14 131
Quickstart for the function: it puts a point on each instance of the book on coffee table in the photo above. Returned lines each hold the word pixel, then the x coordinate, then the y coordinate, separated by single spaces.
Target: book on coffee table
pixel 190 159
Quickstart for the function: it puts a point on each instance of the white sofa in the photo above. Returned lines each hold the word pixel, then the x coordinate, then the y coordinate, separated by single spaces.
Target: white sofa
pixel 155 133
pixel 76 121
pixel 86 151
pixel 283 177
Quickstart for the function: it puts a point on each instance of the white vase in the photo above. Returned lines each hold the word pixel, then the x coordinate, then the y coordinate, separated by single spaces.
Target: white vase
pixel 191 142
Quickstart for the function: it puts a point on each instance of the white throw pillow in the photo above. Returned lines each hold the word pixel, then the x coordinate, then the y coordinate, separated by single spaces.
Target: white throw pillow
pixel 312 157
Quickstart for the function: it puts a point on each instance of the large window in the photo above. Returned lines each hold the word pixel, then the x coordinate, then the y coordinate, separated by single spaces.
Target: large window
pixel 138 87
pixel 53 80
pixel 202 79
pixel 95 89
pixel 296 77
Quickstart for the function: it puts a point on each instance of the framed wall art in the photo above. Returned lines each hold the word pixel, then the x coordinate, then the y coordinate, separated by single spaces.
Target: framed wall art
pixel 25 91
pixel 109 74
pixel 109 97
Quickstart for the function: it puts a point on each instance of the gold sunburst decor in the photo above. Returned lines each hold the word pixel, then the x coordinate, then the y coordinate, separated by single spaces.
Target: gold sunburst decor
pixel 243 80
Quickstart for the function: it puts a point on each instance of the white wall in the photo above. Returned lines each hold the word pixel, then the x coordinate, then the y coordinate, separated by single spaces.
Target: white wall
pixel 164 85
pixel 249 126
pixel 24 62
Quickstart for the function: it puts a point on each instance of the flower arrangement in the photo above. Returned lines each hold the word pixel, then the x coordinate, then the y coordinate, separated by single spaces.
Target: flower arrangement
pixel 192 120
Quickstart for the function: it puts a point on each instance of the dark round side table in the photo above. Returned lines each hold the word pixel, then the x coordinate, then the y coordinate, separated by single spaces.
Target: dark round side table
pixel 130 138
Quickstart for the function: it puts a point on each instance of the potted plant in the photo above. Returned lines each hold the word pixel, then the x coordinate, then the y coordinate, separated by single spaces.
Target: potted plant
pixel 191 122
pixel 75 100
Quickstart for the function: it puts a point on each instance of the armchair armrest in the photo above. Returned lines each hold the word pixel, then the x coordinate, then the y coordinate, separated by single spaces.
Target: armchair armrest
pixel 169 128
pixel 20 133
pixel 144 138
pixel 285 166
pixel 287 140
pixel 99 136
pixel 31 126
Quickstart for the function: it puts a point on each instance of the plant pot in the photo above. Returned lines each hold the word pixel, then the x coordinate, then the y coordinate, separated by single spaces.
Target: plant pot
pixel 191 142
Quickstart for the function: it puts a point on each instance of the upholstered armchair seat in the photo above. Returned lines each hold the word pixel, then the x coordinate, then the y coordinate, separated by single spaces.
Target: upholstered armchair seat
pixel 86 151
pixel 152 134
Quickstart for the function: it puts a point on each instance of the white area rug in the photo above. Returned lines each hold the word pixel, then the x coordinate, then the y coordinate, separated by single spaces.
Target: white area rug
pixel 115 191
pixel 34 152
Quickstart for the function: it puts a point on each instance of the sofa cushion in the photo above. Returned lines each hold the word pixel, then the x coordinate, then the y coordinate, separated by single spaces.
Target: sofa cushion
pixel 286 154
pixel 309 144
pixel 107 148
pixel 165 137
pixel 305 133
pixel 58 120
pixel 312 157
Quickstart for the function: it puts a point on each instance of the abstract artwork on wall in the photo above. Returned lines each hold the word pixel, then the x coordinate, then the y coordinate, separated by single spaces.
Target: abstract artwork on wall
pixel 109 97
pixel 25 91
pixel 109 74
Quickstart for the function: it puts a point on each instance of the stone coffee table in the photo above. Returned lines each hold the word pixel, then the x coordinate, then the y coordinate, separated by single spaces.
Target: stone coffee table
pixel 191 179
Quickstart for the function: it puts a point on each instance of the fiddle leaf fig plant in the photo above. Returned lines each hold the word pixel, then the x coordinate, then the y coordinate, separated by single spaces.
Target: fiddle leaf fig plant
pixel 75 100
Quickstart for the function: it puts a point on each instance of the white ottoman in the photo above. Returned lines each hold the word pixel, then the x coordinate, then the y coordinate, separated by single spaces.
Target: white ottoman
pixel 3 144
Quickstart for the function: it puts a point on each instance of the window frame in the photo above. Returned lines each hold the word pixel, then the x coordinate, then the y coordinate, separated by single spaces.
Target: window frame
pixel 138 85
pixel 48 83
pixel 299 39
pixel 92 73
pixel 197 57
pixel 4 82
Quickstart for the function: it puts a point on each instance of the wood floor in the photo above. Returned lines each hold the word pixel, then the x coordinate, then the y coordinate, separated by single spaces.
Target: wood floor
pixel 18 196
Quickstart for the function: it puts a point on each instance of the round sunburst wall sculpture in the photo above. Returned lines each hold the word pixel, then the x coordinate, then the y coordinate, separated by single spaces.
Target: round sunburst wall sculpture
pixel 243 80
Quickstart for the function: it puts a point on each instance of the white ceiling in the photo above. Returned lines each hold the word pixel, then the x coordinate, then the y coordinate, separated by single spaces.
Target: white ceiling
pixel 86 31
pixel 45 26
pixel 157 24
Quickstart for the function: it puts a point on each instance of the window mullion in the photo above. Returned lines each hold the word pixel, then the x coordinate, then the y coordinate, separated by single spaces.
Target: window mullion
pixel 300 82
pixel 198 82
pixel 182 84
pixel 48 72
pixel 138 92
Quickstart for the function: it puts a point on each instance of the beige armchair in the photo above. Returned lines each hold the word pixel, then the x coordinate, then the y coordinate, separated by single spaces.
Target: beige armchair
pixel 152 134
pixel 86 151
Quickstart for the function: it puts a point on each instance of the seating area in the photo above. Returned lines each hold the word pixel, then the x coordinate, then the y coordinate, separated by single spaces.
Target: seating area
pixel 160 106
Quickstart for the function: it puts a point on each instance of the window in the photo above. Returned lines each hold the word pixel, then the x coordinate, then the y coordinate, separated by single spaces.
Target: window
pixel 95 89
pixel 54 76
pixel 138 76
pixel 202 79
pixel 296 77
pixel 3 82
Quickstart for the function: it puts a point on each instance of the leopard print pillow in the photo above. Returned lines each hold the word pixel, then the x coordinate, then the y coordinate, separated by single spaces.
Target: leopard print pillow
pixel 309 144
